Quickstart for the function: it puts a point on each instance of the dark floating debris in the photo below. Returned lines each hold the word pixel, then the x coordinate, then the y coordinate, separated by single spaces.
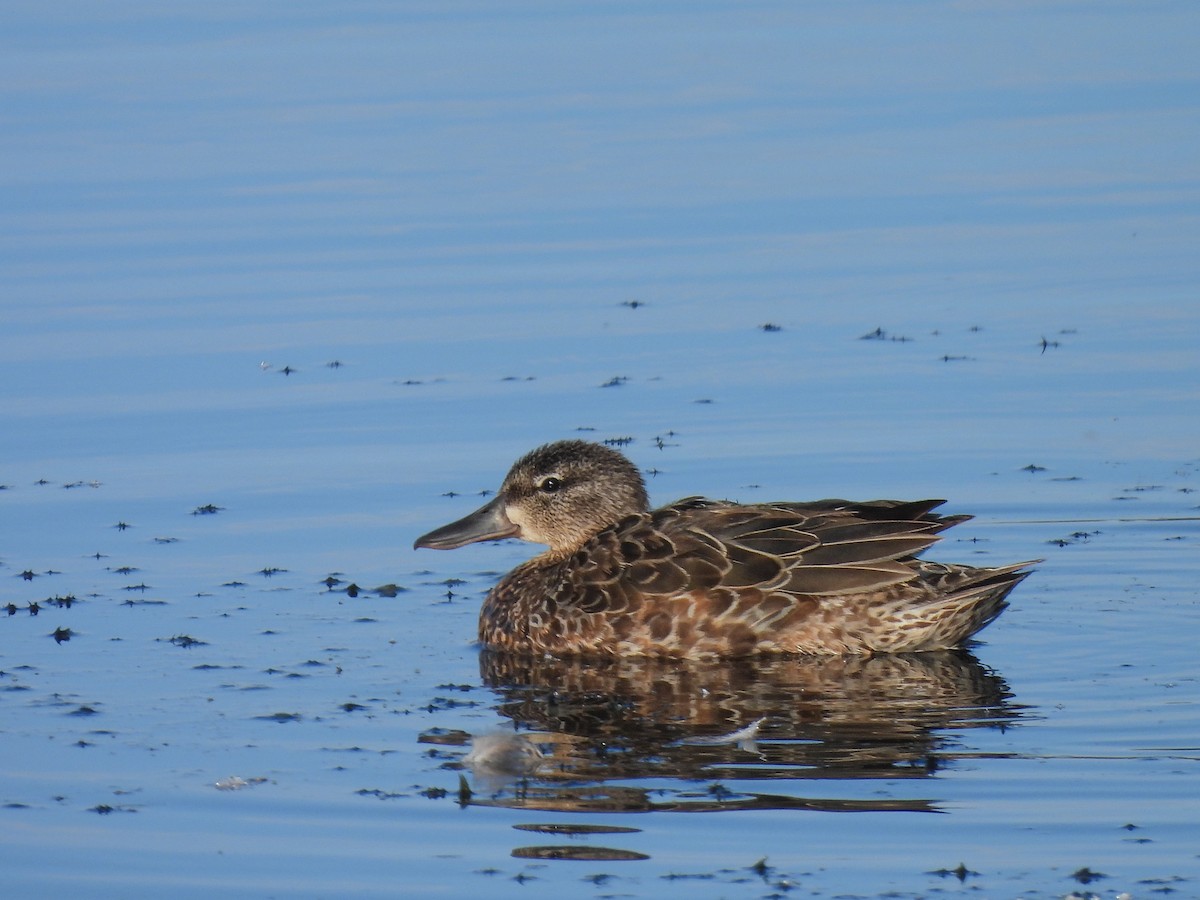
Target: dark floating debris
pixel 270 571
pixel 121 526
pixel 105 809
pixel 633 304
pixel 1046 345
pixel 770 327
pixel 570 828
pixel 761 869
pixel 389 590
pixel 961 872
pixel 208 509
pixel 579 854
pixel 1033 467
pixel 615 381
pixel 623 441
pixel 166 540
pixel 186 641
pixel 286 370
pixel 450 737
pixel 451 584
pixel 280 717
pixel 62 635
pixel 1087 876
pixel 1074 538
pixel 880 335
pixel 334 364
pixel 438 704
pixel 379 794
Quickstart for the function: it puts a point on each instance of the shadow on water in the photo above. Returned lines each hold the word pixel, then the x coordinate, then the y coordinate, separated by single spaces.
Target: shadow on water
pixel 652 735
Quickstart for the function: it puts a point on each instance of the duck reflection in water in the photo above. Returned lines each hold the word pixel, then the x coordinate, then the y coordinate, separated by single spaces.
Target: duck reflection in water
pixel 597 726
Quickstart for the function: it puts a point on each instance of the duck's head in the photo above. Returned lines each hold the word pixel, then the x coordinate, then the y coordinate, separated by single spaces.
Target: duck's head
pixel 560 495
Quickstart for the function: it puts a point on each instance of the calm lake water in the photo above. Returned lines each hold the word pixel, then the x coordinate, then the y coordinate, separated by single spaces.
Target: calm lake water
pixel 283 289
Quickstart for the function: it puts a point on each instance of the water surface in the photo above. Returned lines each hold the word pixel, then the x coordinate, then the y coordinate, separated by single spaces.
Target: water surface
pixel 975 229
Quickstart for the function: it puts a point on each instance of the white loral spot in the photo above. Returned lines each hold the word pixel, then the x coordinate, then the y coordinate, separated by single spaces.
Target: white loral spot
pixel 517 518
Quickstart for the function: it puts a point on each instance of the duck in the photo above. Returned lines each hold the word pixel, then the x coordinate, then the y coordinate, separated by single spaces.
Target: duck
pixel 703 578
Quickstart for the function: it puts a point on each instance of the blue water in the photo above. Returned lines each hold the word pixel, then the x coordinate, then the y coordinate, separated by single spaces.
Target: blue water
pixel 485 216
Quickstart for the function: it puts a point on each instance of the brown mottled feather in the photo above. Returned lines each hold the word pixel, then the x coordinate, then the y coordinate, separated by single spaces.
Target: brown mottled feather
pixel 712 578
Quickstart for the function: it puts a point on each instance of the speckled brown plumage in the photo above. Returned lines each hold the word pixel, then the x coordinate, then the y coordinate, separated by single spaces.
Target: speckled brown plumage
pixel 711 578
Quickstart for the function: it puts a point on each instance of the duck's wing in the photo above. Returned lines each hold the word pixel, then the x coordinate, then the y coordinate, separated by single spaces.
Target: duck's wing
pixel 827 547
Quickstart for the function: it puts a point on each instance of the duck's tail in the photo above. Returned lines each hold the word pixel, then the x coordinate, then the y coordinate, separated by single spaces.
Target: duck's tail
pixel 963 601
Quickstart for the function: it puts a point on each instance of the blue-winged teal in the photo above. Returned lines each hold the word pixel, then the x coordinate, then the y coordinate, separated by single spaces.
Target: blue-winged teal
pixel 712 578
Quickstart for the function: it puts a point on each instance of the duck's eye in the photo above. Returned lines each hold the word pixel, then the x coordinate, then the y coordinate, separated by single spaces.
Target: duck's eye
pixel 550 485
